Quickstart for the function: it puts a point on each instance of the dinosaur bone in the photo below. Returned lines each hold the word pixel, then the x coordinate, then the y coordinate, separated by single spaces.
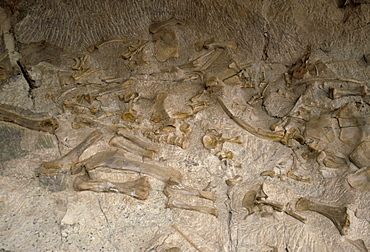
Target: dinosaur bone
pixel 173 188
pixel 173 203
pixel 115 160
pixel 138 189
pixel 68 161
pixel 136 140
pixel 27 119
pixel 123 143
pixel 338 215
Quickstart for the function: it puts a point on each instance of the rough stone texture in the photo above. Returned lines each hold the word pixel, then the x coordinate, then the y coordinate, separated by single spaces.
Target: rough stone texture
pixel 320 46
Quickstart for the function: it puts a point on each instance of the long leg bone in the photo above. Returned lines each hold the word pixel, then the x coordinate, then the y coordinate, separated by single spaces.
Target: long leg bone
pixel 114 160
pixel 270 135
pixel 138 189
pixel 27 119
pixel 338 215
pixel 173 203
pixel 335 93
pixel 69 161
pixel 123 143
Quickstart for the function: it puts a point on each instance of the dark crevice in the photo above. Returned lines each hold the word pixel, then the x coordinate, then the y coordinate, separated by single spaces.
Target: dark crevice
pixel 29 80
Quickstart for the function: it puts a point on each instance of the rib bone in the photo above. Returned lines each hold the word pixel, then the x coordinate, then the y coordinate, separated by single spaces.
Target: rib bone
pixel 270 135
pixel 173 203
pixel 27 119
pixel 68 161
pixel 138 189
pixel 114 160
pixel 338 215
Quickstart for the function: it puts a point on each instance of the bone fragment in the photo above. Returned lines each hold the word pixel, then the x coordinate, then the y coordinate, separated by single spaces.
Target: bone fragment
pixel 233 181
pixel 298 177
pixel 105 42
pixel 138 189
pixel 173 203
pixel 361 155
pixel 271 174
pixel 335 93
pixel 360 180
pixel 155 27
pixel 69 161
pixel 338 215
pixel 214 57
pixel 212 43
pixel 115 160
pixel 123 143
pixel 166 51
pixel 249 201
pixel 281 208
pixel 173 188
pixel 136 140
pixel 160 112
pixel 270 135
pixel 27 119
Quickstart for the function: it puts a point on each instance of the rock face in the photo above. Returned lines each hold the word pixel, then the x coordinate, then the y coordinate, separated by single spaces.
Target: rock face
pixel 184 125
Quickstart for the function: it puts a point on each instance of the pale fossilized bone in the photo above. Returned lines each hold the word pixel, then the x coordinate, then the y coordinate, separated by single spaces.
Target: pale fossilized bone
pixel 173 203
pixel 105 41
pixel 27 119
pixel 360 179
pixel 234 180
pixel 213 58
pixel 170 138
pixel 172 188
pixel 68 161
pixel 160 112
pixel 212 43
pixel 166 51
pixel 270 135
pixel 123 143
pixel 115 160
pixel 338 215
pixel 138 189
pixel 136 140
pixel 335 93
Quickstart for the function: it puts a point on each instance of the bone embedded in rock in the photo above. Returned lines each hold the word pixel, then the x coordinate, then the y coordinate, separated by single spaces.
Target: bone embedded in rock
pixel 172 188
pixel 360 180
pixel 336 93
pixel 166 51
pixel 138 141
pixel 249 201
pixel 173 203
pixel 138 189
pixel 361 155
pixel 234 180
pixel 68 162
pixel 338 215
pixel 115 160
pixel 212 43
pixel 160 112
pixel 119 39
pixel 123 143
pixel 27 119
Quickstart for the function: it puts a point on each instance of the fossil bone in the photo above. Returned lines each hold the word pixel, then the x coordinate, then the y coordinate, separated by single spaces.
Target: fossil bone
pixel 361 155
pixel 271 174
pixel 160 112
pixel 360 179
pixel 213 58
pixel 173 188
pixel 211 44
pixel 27 119
pixel 69 161
pixel 173 203
pixel 234 180
pixel 171 138
pixel 249 201
pixel 166 51
pixel 105 42
pixel 123 143
pixel 136 140
pixel 270 135
pixel 338 215
pixel 138 189
pixel 115 160
pixel 335 93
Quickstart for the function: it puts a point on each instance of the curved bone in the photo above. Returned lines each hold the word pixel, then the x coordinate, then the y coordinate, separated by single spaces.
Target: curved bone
pixel 141 143
pixel 138 189
pixel 114 160
pixel 173 203
pixel 27 119
pixel 270 135
pixel 69 160
pixel 338 215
